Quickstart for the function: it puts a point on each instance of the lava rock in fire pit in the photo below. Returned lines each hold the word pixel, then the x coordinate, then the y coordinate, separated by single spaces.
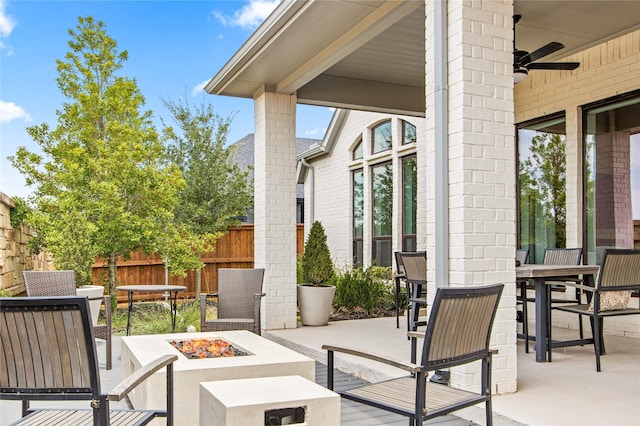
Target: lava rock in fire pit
pixel 206 348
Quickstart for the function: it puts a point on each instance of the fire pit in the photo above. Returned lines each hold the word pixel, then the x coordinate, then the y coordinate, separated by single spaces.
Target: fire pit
pixel 262 358
pixel 207 348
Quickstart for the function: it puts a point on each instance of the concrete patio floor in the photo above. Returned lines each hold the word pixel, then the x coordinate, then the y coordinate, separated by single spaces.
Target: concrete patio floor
pixel 567 391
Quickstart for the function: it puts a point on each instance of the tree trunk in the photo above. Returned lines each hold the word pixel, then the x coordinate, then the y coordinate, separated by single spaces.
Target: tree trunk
pixel 113 258
pixel 198 283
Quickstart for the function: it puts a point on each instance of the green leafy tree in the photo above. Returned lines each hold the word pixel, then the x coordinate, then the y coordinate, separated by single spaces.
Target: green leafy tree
pixel 544 182
pixel 217 191
pixel 102 186
pixel 317 267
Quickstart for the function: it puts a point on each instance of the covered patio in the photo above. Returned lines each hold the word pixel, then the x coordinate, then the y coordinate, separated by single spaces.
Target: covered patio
pixel 567 391
pixel 450 62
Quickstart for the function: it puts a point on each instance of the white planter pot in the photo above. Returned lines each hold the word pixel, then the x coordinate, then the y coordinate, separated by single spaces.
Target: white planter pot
pixel 92 291
pixel 315 304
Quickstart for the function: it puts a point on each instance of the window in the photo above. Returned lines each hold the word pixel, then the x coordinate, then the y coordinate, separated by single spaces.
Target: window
pixel 357 151
pixel 408 133
pixel 382 196
pixel 409 202
pixel 358 217
pixel 611 174
pixel 542 185
pixel 381 137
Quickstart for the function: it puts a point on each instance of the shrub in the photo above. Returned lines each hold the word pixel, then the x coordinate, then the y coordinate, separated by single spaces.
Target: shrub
pixel 364 288
pixel 317 267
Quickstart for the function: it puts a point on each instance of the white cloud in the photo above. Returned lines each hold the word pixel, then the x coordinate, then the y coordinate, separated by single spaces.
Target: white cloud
pixel 250 16
pixel 314 132
pixel 199 88
pixel 6 26
pixel 10 111
pixel 6 23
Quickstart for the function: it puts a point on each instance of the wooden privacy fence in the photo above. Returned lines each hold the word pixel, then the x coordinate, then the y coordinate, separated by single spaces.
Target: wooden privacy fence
pixel 233 250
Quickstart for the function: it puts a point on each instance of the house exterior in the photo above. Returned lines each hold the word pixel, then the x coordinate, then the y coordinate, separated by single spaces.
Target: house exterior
pixel 450 64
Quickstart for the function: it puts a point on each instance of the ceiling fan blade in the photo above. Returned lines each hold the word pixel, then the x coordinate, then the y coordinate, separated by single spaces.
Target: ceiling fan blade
pixel 553 66
pixel 545 50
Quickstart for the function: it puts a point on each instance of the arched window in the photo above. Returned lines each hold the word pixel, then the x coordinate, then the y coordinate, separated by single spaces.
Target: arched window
pixel 381 137
pixel 408 133
pixel 357 151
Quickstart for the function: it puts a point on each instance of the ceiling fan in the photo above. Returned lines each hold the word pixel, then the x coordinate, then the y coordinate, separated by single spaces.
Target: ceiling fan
pixel 524 61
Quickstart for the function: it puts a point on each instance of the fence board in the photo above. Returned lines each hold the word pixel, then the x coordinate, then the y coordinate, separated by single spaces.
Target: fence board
pixel 233 250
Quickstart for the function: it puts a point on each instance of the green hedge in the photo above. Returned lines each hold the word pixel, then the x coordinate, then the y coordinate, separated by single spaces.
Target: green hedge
pixel 369 289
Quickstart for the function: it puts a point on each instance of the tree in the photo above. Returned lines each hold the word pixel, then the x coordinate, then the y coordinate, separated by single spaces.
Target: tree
pixel 317 266
pixel 217 191
pixel 103 187
pixel 543 181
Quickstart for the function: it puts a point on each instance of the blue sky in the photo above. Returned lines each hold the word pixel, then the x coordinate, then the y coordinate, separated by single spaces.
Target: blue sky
pixel 175 47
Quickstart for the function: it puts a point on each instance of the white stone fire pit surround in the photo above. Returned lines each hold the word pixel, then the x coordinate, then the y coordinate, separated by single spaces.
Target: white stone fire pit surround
pixel 269 359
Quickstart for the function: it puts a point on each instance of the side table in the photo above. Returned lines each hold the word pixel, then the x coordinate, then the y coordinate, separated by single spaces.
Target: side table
pixel 153 288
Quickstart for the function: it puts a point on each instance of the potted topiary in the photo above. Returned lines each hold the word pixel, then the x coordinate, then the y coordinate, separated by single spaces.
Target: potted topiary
pixel 315 296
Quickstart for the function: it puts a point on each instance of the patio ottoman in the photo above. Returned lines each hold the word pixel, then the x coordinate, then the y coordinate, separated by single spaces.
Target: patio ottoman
pixel 268 400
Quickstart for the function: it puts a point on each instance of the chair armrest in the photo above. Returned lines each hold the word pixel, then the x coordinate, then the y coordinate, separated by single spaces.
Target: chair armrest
pixel 407 366
pixel 139 376
pixel 107 312
pixel 203 309
pixel 584 287
pixel 415 335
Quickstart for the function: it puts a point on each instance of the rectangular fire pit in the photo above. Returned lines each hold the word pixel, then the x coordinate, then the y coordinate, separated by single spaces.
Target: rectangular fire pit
pixel 263 358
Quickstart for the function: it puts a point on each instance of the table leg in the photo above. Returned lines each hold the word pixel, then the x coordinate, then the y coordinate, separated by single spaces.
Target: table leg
pixel 130 302
pixel 174 309
pixel 542 305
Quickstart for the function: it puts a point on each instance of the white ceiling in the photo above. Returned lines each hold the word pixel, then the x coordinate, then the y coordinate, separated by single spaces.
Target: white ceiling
pixel 370 54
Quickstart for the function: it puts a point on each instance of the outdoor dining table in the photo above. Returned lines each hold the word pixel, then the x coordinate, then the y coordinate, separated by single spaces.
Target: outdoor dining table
pixel 173 291
pixel 539 274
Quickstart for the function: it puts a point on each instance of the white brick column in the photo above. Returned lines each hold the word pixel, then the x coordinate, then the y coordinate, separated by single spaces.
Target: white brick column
pixel 481 165
pixel 275 206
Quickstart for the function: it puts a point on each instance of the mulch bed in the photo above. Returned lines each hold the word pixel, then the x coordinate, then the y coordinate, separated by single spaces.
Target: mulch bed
pixel 358 313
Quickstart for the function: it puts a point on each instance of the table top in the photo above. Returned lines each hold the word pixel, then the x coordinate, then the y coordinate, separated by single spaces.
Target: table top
pixel 540 271
pixel 151 287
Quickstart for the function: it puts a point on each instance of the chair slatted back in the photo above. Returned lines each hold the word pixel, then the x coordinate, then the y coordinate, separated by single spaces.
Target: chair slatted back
pixel 50 283
pixel 619 270
pixel 522 255
pixel 414 265
pixel 460 324
pixel 48 348
pixel 237 289
pixel 562 256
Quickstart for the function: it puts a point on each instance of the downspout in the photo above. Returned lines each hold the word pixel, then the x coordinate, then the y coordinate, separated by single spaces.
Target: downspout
pixel 441 168
pixel 312 189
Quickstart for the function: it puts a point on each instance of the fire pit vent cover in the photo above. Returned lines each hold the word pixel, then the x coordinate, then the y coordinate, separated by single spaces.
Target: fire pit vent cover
pixel 207 348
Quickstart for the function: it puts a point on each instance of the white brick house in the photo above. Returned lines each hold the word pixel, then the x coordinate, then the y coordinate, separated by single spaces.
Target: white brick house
pixel 448 64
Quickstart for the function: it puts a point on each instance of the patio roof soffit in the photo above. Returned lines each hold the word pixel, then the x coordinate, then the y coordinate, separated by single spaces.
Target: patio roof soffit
pixel 306 47
pixel 370 54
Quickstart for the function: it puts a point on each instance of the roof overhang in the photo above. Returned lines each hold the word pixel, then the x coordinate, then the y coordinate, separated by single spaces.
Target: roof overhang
pixel 370 54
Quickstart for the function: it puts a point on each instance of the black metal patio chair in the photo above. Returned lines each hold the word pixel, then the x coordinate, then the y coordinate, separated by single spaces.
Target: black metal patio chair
pixel 412 269
pixel 49 354
pixel 619 275
pixel 63 283
pixel 458 332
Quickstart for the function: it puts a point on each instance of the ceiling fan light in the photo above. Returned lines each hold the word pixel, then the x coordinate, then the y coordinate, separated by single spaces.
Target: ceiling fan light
pixel 519 75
